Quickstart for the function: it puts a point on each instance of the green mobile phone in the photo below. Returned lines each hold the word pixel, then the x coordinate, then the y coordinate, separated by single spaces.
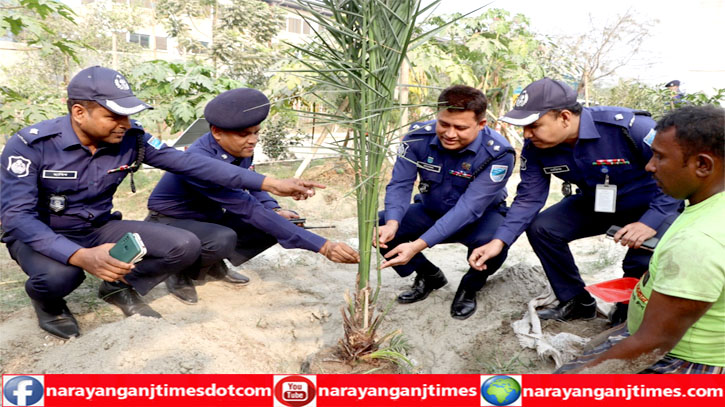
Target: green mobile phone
pixel 129 249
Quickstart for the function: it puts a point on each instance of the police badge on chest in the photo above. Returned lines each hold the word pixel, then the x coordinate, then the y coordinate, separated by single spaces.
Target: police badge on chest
pixel 57 203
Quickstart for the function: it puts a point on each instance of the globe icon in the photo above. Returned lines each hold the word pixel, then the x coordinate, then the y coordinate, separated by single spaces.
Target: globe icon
pixel 501 390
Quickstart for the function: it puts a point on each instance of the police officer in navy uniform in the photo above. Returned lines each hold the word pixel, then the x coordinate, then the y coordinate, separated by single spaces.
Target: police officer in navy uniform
pixel 58 178
pixel 601 150
pixel 463 167
pixel 676 94
pixel 231 223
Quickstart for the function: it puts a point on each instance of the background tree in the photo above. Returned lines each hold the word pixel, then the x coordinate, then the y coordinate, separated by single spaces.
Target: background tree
pixel 242 31
pixel 178 91
pixel 31 91
pixel 589 57
pixel 29 21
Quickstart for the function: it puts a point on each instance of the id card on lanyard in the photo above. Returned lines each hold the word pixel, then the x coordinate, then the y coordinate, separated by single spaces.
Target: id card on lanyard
pixel 605 197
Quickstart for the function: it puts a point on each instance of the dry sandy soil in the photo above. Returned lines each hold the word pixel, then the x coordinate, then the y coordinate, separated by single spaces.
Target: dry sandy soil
pixel 291 310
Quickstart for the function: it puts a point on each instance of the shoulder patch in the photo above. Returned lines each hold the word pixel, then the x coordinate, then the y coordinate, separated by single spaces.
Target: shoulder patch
pixel 650 137
pixel 155 143
pixel 498 172
pixel 403 148
pixel 523 163
pixel 19 166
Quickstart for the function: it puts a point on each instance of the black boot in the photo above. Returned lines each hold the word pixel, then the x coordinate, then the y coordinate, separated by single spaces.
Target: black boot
pixel 220 271
pixel 422 286
pixel 126 298
pixel 181 287
pixel 54 317
pixel 582 306
pixel 464 303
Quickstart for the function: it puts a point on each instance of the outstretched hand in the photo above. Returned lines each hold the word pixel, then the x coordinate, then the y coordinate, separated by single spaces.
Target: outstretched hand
pixel 340 253
pixel 296 188
pixel 402 253
pixel 386 233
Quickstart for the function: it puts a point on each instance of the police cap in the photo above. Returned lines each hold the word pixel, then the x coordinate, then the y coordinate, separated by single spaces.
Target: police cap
pixel 237 109
pixel 537 99
pixel 107 88
pixel 672 83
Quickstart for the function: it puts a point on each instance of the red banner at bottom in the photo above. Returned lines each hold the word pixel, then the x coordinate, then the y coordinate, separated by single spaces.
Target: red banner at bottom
pixel 362 390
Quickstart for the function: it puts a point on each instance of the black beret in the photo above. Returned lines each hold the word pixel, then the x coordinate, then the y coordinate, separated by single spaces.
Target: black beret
pixel 672 83
pixel 237 109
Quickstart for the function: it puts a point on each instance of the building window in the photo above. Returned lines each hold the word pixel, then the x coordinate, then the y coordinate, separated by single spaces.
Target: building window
pixel 161 43
pixel 297 26
pixel 140 39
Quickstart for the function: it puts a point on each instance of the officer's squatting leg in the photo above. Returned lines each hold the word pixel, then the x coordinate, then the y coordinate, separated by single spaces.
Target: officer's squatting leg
pixel 428 276
pixel 474 235
pixel 549 234
pixel 49 281
pixel 217 243
pixel 250 240
pixel 169 250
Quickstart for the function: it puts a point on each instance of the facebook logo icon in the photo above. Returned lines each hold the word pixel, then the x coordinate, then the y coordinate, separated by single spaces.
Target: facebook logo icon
pixel 23 390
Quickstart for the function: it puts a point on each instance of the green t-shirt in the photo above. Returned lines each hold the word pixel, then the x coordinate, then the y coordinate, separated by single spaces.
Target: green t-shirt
pixel 689 262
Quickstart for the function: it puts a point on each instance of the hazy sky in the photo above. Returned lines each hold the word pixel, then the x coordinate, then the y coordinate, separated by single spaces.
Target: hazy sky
pixel 687 44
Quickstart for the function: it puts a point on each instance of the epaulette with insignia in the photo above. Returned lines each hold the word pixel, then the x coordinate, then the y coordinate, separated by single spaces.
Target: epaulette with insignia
pixel 617 116
pixel 422 128
pixel 41 130
pixel 495 143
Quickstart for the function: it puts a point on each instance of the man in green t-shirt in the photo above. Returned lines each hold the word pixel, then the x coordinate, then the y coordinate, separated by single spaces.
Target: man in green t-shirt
pixel 676 319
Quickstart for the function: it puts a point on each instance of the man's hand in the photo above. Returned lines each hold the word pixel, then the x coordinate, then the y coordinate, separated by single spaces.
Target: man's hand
pixel 287 214
pixel 340 252
pixel 634 234
pixel 403 252
pixel 482 254
pixel 386 233
pixel 97 261
pixel 296 188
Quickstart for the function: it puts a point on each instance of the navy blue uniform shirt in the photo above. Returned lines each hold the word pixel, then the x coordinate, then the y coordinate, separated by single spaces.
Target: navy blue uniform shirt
pixel 447 188
pixel 600 138
pixel 51 183
pixel 179 196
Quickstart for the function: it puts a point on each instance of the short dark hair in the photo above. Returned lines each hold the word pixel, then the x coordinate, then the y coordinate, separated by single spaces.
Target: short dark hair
pixel 576 109
pixel 88 104
pixel 697 129
pixel 461 98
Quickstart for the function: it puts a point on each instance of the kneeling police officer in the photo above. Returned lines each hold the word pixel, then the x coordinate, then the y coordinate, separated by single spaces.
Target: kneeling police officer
pixel 463 167
pixel 231 223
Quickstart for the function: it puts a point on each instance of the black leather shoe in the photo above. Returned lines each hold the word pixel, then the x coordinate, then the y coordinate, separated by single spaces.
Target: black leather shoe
pixel 182 288
pixel 422 286
pixel 125 297
pixel 570 310
pixel 220 271
pixel 54 317
pixel 618 314
pixel 464 303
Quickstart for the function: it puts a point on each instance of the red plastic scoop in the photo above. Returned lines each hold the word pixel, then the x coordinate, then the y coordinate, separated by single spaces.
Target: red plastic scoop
pixel 617 290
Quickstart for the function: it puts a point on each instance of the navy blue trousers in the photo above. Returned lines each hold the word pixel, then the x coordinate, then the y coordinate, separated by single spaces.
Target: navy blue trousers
pixel 169 250
pixel 417 220
pixel 574 218
pixel 228 238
